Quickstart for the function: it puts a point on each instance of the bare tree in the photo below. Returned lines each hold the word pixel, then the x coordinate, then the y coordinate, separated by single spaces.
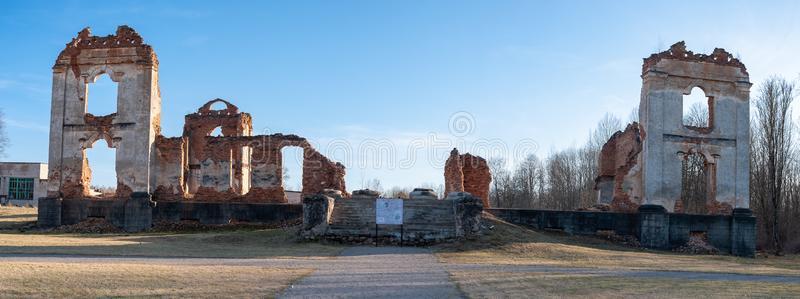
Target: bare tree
pixel 3 136
pixel 697 115
pixel 373 184
pixel 500 182
pixel 694 192
pixel 772 153
pixel 634 115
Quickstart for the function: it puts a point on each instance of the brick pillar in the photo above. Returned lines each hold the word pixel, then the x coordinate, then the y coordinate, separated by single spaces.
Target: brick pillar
pixel 743 233
pixel 653 227
pixel 49 212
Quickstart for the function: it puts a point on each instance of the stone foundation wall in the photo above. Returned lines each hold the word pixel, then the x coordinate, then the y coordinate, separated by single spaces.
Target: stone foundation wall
pixel 138 213
pixel 425 221
pixel 652 225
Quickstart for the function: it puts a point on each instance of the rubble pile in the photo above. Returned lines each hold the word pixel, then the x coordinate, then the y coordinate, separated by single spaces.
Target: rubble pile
pixel 89 226
pixel 697 244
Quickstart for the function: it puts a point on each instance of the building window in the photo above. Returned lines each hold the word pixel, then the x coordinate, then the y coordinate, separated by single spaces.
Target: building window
pixel 20 188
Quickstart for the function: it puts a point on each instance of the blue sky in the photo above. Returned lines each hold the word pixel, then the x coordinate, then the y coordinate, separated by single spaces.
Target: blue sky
pixel 402 80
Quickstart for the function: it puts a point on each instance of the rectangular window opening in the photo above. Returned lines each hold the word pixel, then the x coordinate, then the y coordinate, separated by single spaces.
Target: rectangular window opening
pixel 20 188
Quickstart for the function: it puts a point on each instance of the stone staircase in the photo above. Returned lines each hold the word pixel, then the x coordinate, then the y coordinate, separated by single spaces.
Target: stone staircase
pixel 353 217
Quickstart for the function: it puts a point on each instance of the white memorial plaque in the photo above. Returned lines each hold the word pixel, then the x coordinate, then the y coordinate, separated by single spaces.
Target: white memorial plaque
pixel 388 211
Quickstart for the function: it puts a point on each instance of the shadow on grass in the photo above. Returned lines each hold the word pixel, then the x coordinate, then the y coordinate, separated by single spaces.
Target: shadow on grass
pixel 502 233
pixel 267 243
pixel 32 215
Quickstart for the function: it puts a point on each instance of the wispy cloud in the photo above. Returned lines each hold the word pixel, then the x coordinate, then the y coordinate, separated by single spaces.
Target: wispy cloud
pixel 33 88
pixel 27 125
pixel 195 41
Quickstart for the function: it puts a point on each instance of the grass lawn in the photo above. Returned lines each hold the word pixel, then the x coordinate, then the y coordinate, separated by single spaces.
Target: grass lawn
pixel 511 244
pixel 478 284
pixel 16 217
pixel 263 243
pixel 78 280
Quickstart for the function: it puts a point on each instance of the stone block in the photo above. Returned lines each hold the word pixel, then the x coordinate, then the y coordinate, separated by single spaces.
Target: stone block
pixel 468 210
pixel 364 194
pixel 49 212
pixel 138 212
pixel 317 210
pixel 743 233
pixel 653 227
pixel 422 193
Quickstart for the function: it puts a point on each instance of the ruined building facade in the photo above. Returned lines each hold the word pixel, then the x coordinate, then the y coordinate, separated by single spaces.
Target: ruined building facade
pixel 235 167
pixel 467 173
pixel 644 165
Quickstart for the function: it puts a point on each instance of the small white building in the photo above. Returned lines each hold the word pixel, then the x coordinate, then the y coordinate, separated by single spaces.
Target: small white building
pixel 22 183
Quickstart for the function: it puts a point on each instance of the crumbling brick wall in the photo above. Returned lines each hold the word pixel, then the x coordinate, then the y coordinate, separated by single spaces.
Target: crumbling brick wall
pixel 195 166
pixel 131 130
pixel 320 173
pixel 170 168
pixel 266 169
pixel 619 180
pixel 232 123
pixel 467 173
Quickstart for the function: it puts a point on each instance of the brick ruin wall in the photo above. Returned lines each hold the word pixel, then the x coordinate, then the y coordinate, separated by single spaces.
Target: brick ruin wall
pixel 663 143
pixel 619 178
pixel 131 64
pixel 467 173
pixel 234 167
pixel 222 159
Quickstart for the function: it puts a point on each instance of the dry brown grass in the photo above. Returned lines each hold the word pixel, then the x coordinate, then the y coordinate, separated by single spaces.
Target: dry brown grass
pixel 80 280
pixel 478 284
pixel 268 243
pixel 16 217
pixel 264 243
pixel 511 244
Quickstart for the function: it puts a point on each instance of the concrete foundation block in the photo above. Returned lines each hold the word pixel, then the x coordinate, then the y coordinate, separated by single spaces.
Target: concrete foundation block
pixel 467 211
pixel 138 212
pixel 49 212
pixel 743 233
pixel 317 210
pixel 653 227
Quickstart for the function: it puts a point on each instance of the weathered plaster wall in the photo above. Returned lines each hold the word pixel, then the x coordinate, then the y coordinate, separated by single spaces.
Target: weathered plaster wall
pixel 131 130
pixel 666 77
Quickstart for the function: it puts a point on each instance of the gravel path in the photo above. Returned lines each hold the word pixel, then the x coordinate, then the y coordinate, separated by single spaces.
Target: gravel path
pixel 369 272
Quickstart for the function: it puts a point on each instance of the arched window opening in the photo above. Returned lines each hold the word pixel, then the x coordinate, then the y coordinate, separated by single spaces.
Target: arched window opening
pixel 218 105
pixel 292 161
pixel 696 109
pixel 694 184
pixel 101 164
pixel 101 96
pixel 217 132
